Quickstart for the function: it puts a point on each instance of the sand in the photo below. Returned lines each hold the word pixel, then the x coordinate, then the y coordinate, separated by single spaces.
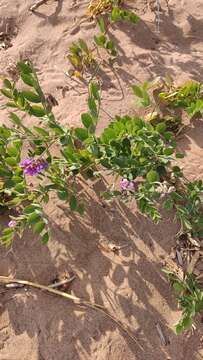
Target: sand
pixel 39 326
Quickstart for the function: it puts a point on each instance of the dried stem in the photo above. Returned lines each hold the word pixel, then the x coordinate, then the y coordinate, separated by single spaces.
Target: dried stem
pixel 38 4
pixel 6 280
pixel 62 282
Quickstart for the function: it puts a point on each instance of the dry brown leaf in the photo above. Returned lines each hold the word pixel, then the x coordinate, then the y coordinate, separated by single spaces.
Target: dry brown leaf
pixel 179 257
pixel 193 241
pixel 173 267
pixel 193 262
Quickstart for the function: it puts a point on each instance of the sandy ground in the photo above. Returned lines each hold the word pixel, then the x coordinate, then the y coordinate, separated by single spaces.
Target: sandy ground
pixel 39 326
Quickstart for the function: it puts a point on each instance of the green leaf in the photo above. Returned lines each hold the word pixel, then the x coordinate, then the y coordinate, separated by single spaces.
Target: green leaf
pixel 6 240
pixel 93 107
pixel 15 201
pixel 82 134
pixel 115 14
pixel 100 40
pixel 168 151
pixel 21 101
pixel 176 170
pixel 94 90
pixel 179 155
pixel 69 154
pixel 15 119
pixel 7 231
pixel 24 68
pixel 81 209
pixel 87 120
pixel 108 135
pixel 27 79
pixel 176 196
pixel 17 179
pixel 146 99
pixel 37 111
pixel 168 135
pixel 137 91
pixel 178 287
pixel 41 131
pixel 195 108
pixel 161 127
pixel 56 128
pixel 38 227
pixel 83 45
pixel 17 144
pixel 31 96
pixel 109 195
pixel 152 176
pixel 31 208
pixel 168 204
pixel 11 161
pixel 7 84
pixel 5 133
pixel 45 238
pixel 101 24
pixel 66 139
pixel 13 151
pixel 73 203
pixel 45 198
pixel 62 194
pixel 4 172
pixel 179 329
pixel 111 46
pixel 7 93
pixel 187 323
pixel 34 218
pixel 9 184
pixel 20 188
pixel 11 104
pixel 133 18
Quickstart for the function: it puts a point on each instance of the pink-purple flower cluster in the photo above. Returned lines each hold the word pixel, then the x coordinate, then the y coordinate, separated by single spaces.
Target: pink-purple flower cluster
pixel 127 185
pixel 12 223
pixel 33 166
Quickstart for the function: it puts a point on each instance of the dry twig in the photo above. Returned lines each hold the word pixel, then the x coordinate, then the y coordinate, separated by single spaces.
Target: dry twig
pixel 163 338
pixel 6 280
pixel 62 282
pixel 37 4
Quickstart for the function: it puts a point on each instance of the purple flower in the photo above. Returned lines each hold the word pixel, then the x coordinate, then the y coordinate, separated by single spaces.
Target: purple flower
pixel 12 223
pixel 33 166
pixel 127 185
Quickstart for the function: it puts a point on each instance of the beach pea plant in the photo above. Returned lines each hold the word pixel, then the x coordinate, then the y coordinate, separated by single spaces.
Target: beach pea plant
pixel 30 169
pixel 188 96
pixel 188 203
pixel 116 14
pixel 26 152
pixel 86 57
pixel 190 299
pixel 133 149
pixel 81 57
pixel 47 157
pixel 114 9
pixel 167 101
pixel 102 39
